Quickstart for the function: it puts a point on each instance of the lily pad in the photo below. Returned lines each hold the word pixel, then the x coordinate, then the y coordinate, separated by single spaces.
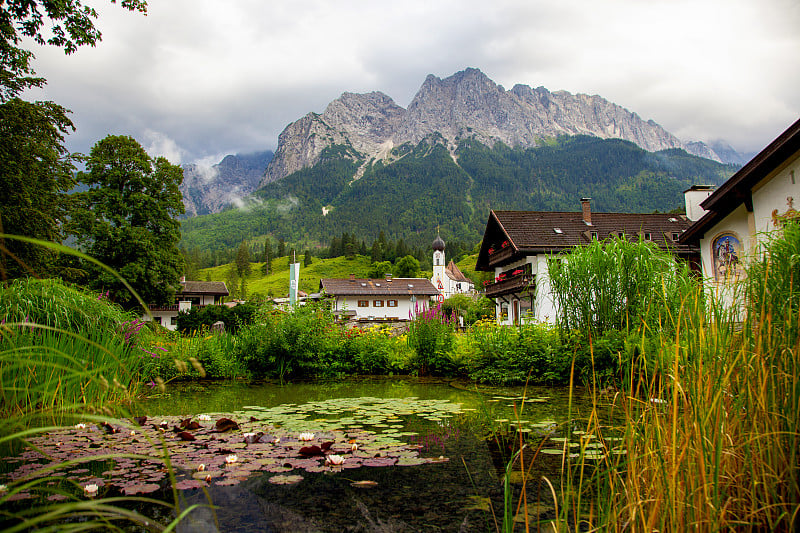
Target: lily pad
pixel 286 480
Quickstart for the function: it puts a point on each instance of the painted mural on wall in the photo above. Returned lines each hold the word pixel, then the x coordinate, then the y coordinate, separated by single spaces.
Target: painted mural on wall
pixel 727 255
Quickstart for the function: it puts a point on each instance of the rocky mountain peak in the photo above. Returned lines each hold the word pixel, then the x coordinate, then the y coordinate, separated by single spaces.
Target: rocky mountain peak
pixel 209 188
pixel 467 104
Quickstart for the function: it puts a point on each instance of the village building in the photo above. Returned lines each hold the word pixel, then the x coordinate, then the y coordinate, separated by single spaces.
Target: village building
pixel 733 220
pixel 518 244
pixel 384 299
pixel 192 294
pixel 448 280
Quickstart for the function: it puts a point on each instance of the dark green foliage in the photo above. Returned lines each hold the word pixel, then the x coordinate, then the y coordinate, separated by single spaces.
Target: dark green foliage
pixel 201 318
pixel 406 267
pixel 243 260
pixel 380 269
pixel 285 345
pixel 431 334
pixel 36 171
pixel 127 219
pixel 470 308
pixel 397 206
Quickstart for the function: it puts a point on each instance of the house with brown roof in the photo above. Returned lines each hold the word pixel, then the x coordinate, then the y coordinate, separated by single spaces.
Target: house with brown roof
pixel 378 299
pixel 517 245
pixel 744 210
pixel 192 294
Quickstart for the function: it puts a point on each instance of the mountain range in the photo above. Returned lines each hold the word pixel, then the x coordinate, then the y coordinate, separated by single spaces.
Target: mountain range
pixel 465 106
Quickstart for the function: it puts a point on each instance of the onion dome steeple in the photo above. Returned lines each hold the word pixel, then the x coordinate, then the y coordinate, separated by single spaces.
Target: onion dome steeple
pixel 438 243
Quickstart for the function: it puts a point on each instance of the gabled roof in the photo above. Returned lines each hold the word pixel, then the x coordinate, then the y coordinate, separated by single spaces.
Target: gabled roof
pixel 535 232
pixel 378 287
pixel 455 273
pixel 216 288
pixel 737 190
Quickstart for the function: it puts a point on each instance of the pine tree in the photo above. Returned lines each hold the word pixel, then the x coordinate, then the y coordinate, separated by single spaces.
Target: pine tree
pixel 243 260
pixel 267 266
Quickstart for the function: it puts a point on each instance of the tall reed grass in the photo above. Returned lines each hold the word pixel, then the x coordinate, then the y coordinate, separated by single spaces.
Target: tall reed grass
pixel 65 354
pixel 63 350
pixel 711 433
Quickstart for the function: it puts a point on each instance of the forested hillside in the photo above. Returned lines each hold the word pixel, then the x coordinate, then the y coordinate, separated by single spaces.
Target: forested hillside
pixel 424 188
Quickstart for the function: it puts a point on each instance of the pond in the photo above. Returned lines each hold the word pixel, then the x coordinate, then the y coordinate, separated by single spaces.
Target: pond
pixel 365 454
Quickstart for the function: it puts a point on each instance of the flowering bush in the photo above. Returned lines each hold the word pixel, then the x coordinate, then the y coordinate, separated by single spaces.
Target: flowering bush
pixel 431 335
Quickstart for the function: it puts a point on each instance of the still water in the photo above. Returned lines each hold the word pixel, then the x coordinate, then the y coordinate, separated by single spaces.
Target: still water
pixel 470 431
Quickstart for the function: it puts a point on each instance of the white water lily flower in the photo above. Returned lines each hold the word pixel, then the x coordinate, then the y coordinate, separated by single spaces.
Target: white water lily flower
pixel 276 440
pixel 201 468
pixel 3 489
pixel 90 489
pixel 334 460
pixel 657 400
pixel 354 447
pixel 230 459
pixel 80 426
pixel 306 436
pixel 204 418
pixel 246 435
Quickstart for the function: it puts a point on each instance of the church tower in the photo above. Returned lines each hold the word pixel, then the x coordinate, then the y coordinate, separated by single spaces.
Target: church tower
pixel 439 278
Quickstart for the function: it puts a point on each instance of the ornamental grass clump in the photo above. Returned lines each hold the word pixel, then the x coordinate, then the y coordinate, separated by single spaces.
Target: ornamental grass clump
pixel 709 441
pixel 619 285
pixel 62 348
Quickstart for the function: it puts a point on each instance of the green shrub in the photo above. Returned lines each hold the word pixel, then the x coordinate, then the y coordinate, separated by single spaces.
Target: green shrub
pixel 198 319
pixel 470 308
pixel 431 335
pixel 372 351
pixel 286 345
pixel 504 355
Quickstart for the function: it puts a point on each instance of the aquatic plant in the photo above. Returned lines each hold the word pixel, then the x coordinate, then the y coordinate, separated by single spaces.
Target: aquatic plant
pixel 228 451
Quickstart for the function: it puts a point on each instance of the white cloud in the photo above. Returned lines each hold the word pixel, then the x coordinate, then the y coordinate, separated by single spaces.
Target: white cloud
pixel 205 168
pixel 158 144
pixel 228 77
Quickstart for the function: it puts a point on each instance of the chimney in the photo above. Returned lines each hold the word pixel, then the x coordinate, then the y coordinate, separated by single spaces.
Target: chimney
pixel 693 197
pixel 353 278
pixel 389 277
pixel 586 207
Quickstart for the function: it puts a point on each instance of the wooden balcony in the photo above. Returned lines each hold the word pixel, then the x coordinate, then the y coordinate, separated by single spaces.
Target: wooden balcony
pixel 500 256
pixel 514 284
pixel 174 307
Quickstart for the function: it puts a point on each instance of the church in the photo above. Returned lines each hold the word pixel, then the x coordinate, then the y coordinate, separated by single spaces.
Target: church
pixel 448 280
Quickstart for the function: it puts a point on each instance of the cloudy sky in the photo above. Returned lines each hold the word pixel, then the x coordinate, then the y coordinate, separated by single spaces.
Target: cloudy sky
pixel 197 79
